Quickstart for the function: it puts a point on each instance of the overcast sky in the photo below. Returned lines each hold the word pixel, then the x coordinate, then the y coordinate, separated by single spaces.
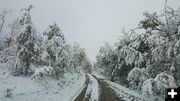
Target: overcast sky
pixel 88 22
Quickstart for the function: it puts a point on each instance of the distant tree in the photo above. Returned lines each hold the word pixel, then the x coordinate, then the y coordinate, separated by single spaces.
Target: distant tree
pixel 80 59
pixel 79 55
pixel 87 66
pixel 107 60
pixel 14 29
pixel 3 33
pixel 2 19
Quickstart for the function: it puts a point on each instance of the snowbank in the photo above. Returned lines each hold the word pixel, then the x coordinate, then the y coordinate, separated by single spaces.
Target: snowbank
pixel 92 90
pixel 125 93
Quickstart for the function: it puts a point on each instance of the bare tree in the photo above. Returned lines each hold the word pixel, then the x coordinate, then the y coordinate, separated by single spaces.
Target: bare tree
pixel 14 30
pixel 2 16
pixel 165 11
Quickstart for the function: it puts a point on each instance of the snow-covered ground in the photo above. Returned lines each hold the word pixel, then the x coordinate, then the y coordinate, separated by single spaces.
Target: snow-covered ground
pixel 125 93
pixel 47 89
pixel 92 92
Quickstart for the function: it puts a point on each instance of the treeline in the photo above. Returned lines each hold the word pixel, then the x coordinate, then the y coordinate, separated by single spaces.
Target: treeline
pixel 146 58
pixel 24 49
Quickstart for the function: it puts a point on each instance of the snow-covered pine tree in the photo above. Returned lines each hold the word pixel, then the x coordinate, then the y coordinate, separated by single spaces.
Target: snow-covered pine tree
pixel 57 50
pixel 27 42
pixel 69 58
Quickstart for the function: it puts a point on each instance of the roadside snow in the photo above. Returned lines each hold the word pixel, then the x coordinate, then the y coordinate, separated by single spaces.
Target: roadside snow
pixel 92 90
pixel 47 89
pixel 74 88
pixel 80 89
pixel 125 93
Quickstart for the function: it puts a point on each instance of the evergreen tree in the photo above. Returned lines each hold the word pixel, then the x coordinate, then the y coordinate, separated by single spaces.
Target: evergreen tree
pixel 27 46
pixel 57 49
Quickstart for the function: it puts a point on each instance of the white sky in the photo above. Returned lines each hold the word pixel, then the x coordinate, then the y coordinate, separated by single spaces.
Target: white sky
pixel 88 22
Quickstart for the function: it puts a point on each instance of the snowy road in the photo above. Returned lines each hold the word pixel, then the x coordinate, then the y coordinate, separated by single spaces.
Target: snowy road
pixel 97 90
pixel 81 96
pixel 106 93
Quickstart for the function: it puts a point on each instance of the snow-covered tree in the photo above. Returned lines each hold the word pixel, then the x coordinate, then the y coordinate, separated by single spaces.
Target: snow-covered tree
pixel 3 30
pixel 136 77
pixel 153 48
pixel 157 86
pixel 56 49
pixel 133 77
pixel 2 19
pixel 80 59
pixel 107 60
pixel 79 55
pixel 14 30
pixel 146 89
pixel 151 21
pixel 87 66
pixel 27 42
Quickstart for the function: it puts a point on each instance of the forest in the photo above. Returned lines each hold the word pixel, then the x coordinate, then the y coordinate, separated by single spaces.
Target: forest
pixel 145 60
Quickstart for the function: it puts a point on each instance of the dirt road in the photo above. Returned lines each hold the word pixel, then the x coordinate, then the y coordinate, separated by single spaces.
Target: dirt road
pixel 81 96
pixel 105 93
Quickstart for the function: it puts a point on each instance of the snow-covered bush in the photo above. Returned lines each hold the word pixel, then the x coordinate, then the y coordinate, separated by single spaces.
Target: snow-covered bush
pixel 157 86
pixel 58 72
pixel 162 81
pixel 133 78
pixel 10 51
pixel 136 77
pixel 147 88
pixel 7 54
pixel 42 72
pixel 144 76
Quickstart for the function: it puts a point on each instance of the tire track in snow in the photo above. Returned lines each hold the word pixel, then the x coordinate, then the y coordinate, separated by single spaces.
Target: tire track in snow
pixel 100 92
pixel 82 94
pixel 106 93
pixel 92 92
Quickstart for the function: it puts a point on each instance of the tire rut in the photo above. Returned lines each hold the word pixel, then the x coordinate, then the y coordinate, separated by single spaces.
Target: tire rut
pixel 106 93
pixel 81 96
